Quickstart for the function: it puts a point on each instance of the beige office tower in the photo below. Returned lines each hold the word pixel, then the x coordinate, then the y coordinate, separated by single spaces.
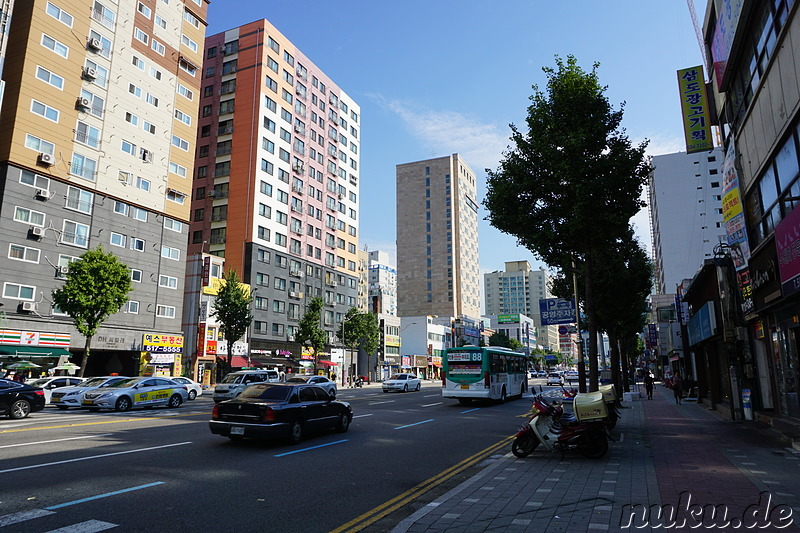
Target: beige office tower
pixel 97 143
pixel 437 239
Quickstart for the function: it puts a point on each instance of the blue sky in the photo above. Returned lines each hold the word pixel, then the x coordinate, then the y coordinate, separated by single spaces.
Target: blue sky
pixel 437 77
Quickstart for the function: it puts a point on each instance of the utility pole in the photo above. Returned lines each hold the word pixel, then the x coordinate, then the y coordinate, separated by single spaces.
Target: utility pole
pixel 581 364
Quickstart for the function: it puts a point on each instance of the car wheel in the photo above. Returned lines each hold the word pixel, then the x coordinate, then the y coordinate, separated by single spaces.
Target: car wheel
pixel 296 432
pixel 175 401
pixel 20 409
pixel 332 392
pixel 62 407
pixel 123 404
pixel 405 388
pixel 418 386
pixel 344 423
pixel 192 394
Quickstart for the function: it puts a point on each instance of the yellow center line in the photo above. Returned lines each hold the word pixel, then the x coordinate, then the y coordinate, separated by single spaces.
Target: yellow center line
pixel 78 424
pixel 386 508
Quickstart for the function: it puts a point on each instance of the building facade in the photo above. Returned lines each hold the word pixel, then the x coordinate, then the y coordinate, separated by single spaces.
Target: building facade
pixel 382 284
pixel 517 290
pixel 685 194
pixel 96 149
pixel 277 181
pixel 754 82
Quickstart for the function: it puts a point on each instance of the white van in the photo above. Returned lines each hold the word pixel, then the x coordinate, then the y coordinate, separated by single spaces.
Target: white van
pixel 234 383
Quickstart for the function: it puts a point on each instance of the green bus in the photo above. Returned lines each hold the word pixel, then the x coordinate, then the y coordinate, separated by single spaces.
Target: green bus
pixel 490 372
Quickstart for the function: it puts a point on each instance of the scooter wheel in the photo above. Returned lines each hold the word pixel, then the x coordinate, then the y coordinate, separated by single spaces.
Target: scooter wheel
pixel 524 445
pixel 594 445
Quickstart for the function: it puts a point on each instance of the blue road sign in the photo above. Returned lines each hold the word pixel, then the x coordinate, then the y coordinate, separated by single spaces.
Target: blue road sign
pixel 557 311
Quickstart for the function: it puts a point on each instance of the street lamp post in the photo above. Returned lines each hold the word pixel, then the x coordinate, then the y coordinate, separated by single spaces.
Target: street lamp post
pixel 345 320
pixel 250 326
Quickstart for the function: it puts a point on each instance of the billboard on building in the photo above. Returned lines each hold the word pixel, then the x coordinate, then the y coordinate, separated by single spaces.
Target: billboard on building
pixel 694 109
pixel 724 32
pixel 787 245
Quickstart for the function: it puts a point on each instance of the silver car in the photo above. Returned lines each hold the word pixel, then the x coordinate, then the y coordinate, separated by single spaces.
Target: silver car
pixel 401 382
pixel 320 381
pixel 66 397
pixel 136 392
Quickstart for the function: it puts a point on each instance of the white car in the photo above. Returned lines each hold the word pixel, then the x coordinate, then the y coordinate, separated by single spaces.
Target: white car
pixel 48 384
pixel 554 378
pixel 320 381
pixel 193 387
pixel 402 382
pixel 66 397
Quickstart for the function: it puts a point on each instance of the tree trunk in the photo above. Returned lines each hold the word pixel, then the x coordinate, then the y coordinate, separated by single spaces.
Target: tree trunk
pixel 592 325
pixel 626 373
pixel 85 359
pixel 613 346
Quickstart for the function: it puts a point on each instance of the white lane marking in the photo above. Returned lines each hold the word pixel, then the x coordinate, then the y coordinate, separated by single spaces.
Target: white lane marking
pixel 15 518
pixel 54 440
pixel 431 395
pixel 432 404
pixel 378 403
pixel 359 416
pixel 90 526
pixel 92 457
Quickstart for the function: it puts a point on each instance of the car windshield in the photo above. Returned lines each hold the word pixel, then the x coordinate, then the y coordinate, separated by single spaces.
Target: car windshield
pixel 399 377
pixel 267 391
pixel 124 383
pixel 297 379
pixel 92 382
pixel 38 382
pixel 232 378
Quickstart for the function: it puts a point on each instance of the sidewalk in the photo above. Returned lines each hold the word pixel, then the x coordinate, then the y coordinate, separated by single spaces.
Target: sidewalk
pixel 665 454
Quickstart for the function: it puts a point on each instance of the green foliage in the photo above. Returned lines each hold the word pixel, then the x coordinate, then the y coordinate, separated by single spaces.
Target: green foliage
pixel 514 344
pixel 499 338
pixel 97 286
pixel 309 330
pixel 569 186
pixel 232 309
pixel 360 329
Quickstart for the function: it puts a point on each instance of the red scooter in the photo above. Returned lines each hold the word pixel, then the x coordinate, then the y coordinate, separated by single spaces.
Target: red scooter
pixel 550 427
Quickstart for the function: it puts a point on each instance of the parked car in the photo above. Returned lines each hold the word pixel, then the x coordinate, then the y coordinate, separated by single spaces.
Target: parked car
pixel 72 396
pixel 193 388
pixel 320 381
pixel 287 410
pixel 48 384
pixel 554 378
pixel 18 400
pixel 234 383
pixel 401 382
pixel 136 392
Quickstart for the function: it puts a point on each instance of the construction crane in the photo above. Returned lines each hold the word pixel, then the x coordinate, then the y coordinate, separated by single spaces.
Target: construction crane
pixel 698 31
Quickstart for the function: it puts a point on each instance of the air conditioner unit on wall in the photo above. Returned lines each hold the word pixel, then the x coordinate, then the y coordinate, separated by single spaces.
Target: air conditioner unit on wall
pixel 44 194
pixel 89 74
pixel 83 103
pixel 46 159
pixel 37 231
pixel 95 44
pixel 64 270
pixel 28 306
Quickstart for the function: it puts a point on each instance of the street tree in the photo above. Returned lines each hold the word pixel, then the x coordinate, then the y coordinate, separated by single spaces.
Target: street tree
pixel 360 330
pixel 498 338
pixel 309 329
pixel 232 308
pixel 570 184
pixel 97 286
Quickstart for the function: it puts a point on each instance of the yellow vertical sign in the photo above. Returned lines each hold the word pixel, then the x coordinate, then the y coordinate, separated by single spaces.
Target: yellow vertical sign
pixel 694 109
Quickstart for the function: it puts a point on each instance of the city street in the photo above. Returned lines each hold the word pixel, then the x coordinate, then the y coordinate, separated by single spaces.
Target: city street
pixel 149 469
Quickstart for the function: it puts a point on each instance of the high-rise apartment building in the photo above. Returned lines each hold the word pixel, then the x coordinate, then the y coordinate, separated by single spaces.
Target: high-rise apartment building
pixel 437 239
pixel 382 284
pixel 685 214
pixel 97 146
pixel 517 290
pixel 6 6
pixel 277 182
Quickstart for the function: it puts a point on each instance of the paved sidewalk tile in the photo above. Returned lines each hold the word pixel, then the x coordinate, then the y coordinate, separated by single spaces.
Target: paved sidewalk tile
pixel 664 455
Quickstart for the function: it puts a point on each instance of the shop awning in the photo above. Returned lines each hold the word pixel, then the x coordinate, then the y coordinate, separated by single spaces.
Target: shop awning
pixel 32 351
pixel 328 363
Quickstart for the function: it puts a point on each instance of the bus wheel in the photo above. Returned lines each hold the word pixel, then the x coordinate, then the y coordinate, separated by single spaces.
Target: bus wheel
pixel 503 396
pixel 464 401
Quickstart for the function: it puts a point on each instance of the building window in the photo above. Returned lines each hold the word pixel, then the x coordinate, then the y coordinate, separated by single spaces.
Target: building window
pixel 23 253
pixel 75 234
pixel 57 47
pixel 18 292
pixel 165 311
pixel 170 253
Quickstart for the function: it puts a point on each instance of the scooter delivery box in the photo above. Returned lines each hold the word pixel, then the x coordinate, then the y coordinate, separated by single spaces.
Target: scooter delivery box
pixel 609 393
pixel 589 406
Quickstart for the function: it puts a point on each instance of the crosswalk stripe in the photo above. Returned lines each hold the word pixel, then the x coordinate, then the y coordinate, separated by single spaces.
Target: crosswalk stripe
pixel 16 518
pixel 90 526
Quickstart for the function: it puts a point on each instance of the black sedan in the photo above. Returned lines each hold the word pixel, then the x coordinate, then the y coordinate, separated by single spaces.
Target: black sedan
pixel 279 410
pixel 18 400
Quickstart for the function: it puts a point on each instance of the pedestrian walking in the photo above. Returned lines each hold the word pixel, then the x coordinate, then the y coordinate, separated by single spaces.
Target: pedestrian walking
pixel 677 387
pixel 648 384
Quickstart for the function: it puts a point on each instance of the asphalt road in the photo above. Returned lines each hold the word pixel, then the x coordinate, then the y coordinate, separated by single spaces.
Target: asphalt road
pixel 162 469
